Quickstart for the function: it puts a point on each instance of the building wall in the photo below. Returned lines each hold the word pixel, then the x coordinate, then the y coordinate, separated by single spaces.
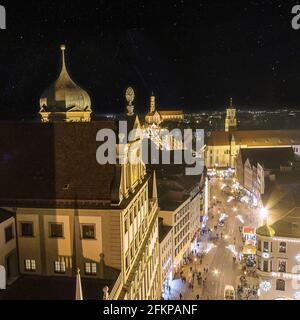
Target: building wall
pixel 8 249
pixel 166 257
pixel 143 281
pixel 268 261
pixel 71 248
pixel 225 155
pixel 195 211
pixel 218 156
pixel 248 176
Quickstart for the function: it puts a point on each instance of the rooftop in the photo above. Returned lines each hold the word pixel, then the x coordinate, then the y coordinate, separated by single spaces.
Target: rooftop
pixel 163 230
pixel 288 226
pixel 46 162
pixel 255 137
pixel 54 288
pixel 5 215
pixel 269 158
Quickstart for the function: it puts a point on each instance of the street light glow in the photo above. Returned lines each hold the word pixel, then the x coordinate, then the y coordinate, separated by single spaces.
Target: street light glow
pixel 263 213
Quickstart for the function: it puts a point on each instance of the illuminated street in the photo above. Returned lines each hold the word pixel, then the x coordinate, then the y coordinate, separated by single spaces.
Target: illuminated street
pixel 222 270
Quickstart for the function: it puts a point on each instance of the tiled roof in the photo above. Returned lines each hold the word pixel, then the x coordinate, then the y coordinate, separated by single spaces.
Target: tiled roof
pixel 171 112
pixel 254 138
pixel 5 215
pixel 219 138
pixel 51 161
pixel 288 226
pixel 269 158
pixel 55 288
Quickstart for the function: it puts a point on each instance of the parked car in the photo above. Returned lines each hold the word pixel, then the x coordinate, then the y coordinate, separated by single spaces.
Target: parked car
pixel 229 293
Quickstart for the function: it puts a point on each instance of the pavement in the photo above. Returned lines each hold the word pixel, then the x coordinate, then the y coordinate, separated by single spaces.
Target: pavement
pixel 222 270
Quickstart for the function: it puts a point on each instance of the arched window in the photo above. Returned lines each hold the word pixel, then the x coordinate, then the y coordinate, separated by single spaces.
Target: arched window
pixel 280 285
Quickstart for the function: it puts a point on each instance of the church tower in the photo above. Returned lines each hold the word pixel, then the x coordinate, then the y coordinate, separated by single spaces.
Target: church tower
pixel 64 100
pixel 152 102
pixel 230 120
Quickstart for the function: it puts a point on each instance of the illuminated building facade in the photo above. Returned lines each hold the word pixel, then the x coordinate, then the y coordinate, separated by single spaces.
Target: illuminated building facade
pixel 8 250
pixel 230 120
pixel 155 116
pixel 222 148
pixel 278 258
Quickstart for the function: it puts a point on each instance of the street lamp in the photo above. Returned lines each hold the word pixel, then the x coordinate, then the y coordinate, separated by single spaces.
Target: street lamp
pixel 264 215
pixel 235 209
pixel 216 272
pixel 195 261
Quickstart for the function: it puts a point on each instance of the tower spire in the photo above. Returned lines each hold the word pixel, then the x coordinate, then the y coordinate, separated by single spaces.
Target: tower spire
pixel 78 295
pixel 154 187
pixel 152 102
pixel 63 48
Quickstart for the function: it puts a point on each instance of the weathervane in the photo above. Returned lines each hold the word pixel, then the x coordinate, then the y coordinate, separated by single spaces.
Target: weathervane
pixel 130 97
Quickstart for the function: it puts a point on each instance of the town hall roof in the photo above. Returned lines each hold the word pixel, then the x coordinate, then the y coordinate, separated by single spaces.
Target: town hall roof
pixel 41 163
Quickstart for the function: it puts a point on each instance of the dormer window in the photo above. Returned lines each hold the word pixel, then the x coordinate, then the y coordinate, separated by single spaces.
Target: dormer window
pixel 66 187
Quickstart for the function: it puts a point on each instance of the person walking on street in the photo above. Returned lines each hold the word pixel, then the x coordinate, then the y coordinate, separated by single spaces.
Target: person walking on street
pixel 197 297
pixel 180 296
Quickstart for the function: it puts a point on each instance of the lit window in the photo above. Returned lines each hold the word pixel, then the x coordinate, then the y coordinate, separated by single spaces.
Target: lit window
pixel 90 268
pixel 282 266
pixel 59 267
pixel 266 246
pixel 282 247
pixel 30 265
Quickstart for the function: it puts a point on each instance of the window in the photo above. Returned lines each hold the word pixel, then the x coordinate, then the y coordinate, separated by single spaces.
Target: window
pixel 135 211
pixel 259 263
pixel 125 225
pixel 9 233
pixel 59 267
pixel 259 245
pixel 265 266
pixel 88 231
pixel 280 285
pixel 282 247
pixel 27 229
pixel 282 266
pixel 136 243
pixel 266 246
pixel 90 268
pixel 30 265
pixel 127 262
pixel 132 252
pixel 56 230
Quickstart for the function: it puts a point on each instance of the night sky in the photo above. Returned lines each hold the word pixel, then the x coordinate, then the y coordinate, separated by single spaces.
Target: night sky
pixel 194 55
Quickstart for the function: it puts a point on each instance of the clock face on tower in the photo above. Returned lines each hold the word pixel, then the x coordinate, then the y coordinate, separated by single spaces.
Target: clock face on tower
pixel 129 95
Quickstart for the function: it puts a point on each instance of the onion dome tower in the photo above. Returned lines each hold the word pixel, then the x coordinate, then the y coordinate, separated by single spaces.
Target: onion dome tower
pixel 64 100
